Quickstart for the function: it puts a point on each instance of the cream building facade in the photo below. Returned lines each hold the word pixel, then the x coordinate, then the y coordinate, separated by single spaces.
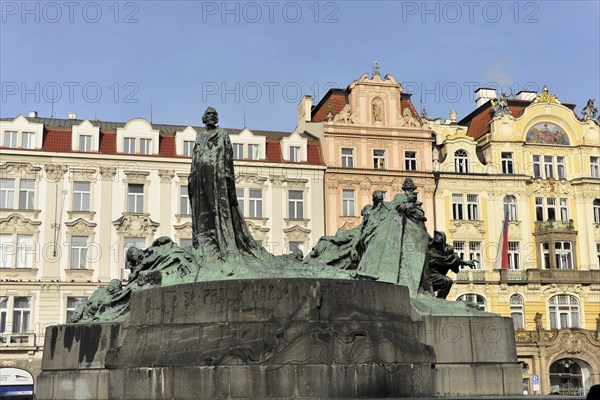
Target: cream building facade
pixel 76 193
pixel 534 160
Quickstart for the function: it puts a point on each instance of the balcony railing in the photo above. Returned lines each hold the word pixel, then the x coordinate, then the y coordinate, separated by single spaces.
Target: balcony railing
pixel 17 340
pixel 554 226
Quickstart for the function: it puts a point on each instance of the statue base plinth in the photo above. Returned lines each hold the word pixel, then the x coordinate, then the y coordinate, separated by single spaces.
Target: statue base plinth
pixel 280 339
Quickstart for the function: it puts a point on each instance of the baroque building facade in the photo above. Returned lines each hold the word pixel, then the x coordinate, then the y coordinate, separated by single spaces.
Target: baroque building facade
pixel 533 162
pixel 75 194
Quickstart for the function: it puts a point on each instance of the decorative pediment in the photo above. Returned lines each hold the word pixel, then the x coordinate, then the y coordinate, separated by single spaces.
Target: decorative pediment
pixel 253 179
pixel 296 233
pixel 551 187
pixel 17 223
pixel 294 183
pixel 136 177
pixel 80 226
pixel 166 175
pixel 136 225
pixel 19 170
pixel 462 229
pixel 55 172
pixel 184 230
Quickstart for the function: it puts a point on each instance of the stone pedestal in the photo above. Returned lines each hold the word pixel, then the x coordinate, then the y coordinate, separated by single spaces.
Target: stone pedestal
pixel 279 339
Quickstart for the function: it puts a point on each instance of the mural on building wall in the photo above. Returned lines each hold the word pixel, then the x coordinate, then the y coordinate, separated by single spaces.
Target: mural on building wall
pixel 547 133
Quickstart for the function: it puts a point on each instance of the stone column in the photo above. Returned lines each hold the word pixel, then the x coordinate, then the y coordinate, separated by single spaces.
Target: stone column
pixel 109 249
pixel 166 214
pixel 279 201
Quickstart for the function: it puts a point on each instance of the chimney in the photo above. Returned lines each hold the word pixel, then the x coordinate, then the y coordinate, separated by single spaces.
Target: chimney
pixel 71 115
pixel 33 114
pixel 305 109
pixel 526 95
pixel 483 95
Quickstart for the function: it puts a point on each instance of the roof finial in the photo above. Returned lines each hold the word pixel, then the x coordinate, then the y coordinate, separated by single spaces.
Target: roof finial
pixel 376 68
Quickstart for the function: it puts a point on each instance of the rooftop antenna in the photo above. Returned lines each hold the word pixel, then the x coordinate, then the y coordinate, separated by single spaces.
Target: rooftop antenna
pixel 52 112
pixel 150 111
pixel 244 117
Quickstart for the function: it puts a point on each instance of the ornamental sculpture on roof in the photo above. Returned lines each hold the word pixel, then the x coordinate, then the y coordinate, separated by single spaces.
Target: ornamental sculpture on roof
pixel 546 97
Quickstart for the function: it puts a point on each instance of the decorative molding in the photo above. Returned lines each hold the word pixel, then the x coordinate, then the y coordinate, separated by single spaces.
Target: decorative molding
pixel 55 172
pixel 184 231
pixel 166 175
pixel 276 180
pixel 292 222
pixel 136 177
pixel 87 215
pixel 80 227
pixel 16 223
pixel 107 173
pixel 19 170
pixel 296 233
pixel 466 229
pixel 136 225
pixel 252 179
pixel 546 97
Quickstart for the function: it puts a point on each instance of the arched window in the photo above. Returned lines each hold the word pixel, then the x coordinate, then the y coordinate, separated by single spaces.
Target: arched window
pixel 597 211
pixel 510 207
pixel 516 311
pixel 564 312
pixel 461 161
pixel 475 299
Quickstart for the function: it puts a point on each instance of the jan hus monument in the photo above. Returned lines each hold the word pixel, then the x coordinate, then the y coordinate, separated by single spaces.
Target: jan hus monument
pixel 362 315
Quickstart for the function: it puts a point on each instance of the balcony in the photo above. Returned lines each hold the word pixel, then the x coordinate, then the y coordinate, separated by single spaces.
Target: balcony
pixel 17 341
pixel 549 276
pixel 554 226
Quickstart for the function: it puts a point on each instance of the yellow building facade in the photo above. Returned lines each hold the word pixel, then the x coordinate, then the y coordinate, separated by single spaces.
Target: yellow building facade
pixel 533 161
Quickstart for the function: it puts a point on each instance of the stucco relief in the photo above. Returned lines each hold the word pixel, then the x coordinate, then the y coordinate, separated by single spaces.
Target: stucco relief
pixel 55 172
pixel 183 231
pixel 296 234
pixel 252 179
pixel 258 231
pixel 19 170
pixel 108 173
pixel 136 225
pixel 466 229
pixel 406 119
pixel 18 224
pixel 136 177
pixel 346 116
pixel 80 227
pixel 166 175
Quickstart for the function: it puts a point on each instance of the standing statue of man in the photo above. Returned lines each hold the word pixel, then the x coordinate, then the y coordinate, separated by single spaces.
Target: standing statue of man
pixel 218 228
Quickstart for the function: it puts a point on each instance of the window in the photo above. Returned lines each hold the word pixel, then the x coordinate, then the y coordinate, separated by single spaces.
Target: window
pixel 3 313
pixel 79 252
pixel 295 153
pixel 564 255
pixel 348 202
pixel 516 311
pixel 598 253
pixel 472 207
pixel 24 251
pixel 545 255
pixel 21 314
pixel 560 167
pixel 461 161
pixel 129 145
pixel 347 158
pixel 85 143
pixel 475 299
pixel 238 151
pixel 7 249
pixel 564 210
pixel 184 200
pixel 595 167
pixel 140 243
pixel 240 198
pixel 293 246
pixel 379 159
pixel 507 163
pixel 475 253
pixel 28 140
pixel 548 167
pixel 596 211
pixel 255 202
pixel 145 146
pixel 539 209
pixel 10 139
pixel 513 255
pixel 26 193
pixel 135 198
pixel 253 152
pixel 72 304
pixel 510 207
pixel 296 206
pixel 410 160
pixel 81 196
pixel 564 312
pixel 7 193
pixel 188 148
pixel 547 211
pixel 459 249
pixel 537 167
pixel 457 206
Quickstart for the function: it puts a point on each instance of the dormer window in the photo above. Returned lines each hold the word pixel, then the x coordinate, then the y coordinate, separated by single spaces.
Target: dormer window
pixel 28 140
pixel 188 148
pixel 21 134
pixel 253 152
pixel 461 161
pixel 10 139
pixel 138 137
pixel 85 143
pixel 145 146
pixel 238 151
pixel 129 145
pixel 86 137
pixel 295 154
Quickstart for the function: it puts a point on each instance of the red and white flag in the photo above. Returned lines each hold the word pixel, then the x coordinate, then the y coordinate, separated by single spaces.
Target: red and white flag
pixel 502 257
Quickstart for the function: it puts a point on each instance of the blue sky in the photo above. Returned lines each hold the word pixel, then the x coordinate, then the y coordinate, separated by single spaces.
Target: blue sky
pixel 115 60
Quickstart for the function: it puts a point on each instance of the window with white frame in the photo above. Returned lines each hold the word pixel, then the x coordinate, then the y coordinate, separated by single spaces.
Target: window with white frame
pixel 537 167
pixel 240 199
pixel 21 314
pixel 457 206
pixel 79 248
pixel 516 311
pixel 10 139
pixel 128 242
pixel 184 200
pixel 475 253
pixel 7 193
pixel 510 207
pixel 560 167
pixel 81 196
pixel 595 167
pixel 513 255
pixel 563 253
pixel 135 198
pixel 293 246
pixel 379 159
pixel 545 255
pixel 459 249
pixel 410 160
pixel 348 202
pixel 25 251
pixel 476 299
pixel 296 204
pixel 145 146
pixel 347 158
pixel 238 151
pixel 253 152
pixel 564 312
pixel 549 167
pixel 564 210
pixel 3 313
pixel 461 161
pixel 295 153
pixel 546 210
pixel 255 203
pixel 26 194
pixel 72 304
pixel 472 207
pixel 596 205
pixel 85 143
pixel 28 140
pixel 7 250
pixel 188 148
pixel 507 163
pixel 129 145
